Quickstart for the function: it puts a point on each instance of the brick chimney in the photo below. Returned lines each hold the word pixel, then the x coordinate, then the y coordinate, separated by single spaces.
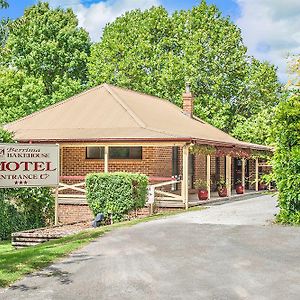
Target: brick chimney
pixel 188 101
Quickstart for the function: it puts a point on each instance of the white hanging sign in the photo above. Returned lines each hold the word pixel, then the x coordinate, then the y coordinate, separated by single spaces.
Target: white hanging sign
pixel 29 165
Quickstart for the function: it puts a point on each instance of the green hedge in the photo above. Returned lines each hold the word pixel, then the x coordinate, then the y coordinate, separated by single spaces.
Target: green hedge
pixel 116 193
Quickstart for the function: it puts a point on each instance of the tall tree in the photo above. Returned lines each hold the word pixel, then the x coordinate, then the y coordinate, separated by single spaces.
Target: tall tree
pixel 4 30
pixel 286 160
pixel 3 4
pixel 47 43
pixel 156 53
pixel 20 94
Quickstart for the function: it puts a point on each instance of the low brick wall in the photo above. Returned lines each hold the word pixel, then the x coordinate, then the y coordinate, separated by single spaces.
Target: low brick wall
pixel 69 213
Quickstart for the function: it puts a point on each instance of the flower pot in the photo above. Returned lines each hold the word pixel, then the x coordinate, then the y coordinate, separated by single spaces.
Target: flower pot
pixel 262 186
pixel 202 195
pixel 222 192
pixel 239 189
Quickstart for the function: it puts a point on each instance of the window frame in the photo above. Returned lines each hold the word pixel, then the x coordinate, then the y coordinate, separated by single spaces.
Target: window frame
pixel 89 158
pixel 109 153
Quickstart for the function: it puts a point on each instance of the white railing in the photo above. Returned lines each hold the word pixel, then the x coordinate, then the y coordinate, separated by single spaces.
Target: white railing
pixel 79 191
pixel 78 187
pixel 167 196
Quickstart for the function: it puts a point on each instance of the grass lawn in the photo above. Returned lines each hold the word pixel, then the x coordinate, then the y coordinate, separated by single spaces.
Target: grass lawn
pixel 16 263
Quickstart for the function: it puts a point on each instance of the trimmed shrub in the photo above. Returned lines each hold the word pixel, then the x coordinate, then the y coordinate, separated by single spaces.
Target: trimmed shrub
pixel 116 194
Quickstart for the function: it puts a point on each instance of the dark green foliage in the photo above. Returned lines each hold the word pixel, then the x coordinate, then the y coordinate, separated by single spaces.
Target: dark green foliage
pixel 3 4
pixel 116 193
pixel 25 208
pixel 286 161
pixel 10 219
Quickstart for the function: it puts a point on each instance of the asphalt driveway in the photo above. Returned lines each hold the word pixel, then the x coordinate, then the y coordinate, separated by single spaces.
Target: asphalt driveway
pixel 229 251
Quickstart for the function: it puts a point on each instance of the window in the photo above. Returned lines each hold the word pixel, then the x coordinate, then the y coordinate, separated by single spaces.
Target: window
pixel 114 152
pixel 125 152
pixel 95 152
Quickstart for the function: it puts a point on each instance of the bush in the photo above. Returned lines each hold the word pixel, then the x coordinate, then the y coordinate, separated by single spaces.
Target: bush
pixel 25 208
pixel 286 161
pixel 116 193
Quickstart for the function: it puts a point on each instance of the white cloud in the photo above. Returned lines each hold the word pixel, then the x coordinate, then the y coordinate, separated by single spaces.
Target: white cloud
pixel 271 30
pixel 97 15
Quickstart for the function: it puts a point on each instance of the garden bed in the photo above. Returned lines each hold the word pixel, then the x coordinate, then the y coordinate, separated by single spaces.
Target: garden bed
pixel 34 237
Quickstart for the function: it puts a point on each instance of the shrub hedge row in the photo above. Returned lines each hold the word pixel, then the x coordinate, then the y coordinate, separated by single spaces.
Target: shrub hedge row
pixel 115 194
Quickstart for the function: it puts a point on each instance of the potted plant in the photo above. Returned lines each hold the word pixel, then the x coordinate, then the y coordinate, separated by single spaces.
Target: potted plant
pixel 262 185
pixel 221 187
pixel 201 185
pixel 239 188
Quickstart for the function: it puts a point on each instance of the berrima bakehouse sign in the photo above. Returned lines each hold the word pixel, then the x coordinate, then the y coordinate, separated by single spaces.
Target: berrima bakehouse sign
pixel 29 165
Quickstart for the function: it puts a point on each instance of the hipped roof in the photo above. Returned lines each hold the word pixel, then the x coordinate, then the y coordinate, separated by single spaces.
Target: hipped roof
pixel 110 113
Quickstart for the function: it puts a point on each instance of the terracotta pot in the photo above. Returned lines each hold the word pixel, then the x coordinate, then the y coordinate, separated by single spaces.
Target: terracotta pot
pixel 262 186
pixel 239 189
pixel 202 194
pixel 222 192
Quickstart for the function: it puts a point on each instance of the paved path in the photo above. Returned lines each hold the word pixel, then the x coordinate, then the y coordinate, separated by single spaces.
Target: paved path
pixel 228 251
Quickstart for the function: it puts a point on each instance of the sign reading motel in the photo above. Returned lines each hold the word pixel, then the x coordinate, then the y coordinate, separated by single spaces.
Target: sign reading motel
pixel 29 165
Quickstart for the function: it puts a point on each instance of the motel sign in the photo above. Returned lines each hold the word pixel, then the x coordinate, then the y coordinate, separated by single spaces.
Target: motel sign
pixel 29 165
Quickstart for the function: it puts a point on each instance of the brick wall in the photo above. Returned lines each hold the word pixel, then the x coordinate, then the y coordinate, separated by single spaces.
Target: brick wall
pixel 69 213
pixel 75 163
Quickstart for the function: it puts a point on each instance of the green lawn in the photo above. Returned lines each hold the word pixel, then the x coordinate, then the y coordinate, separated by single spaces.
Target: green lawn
pixel 16 263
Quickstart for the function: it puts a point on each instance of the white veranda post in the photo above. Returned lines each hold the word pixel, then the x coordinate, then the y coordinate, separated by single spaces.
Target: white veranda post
pixel 185 170
pixel 106 159
pixel 256 174
pixel 208 174
pixel 228 175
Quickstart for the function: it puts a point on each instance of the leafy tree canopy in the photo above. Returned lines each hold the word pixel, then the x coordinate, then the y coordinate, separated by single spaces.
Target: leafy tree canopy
pixel 156 53
pixel 47 43
pixel 255 129
pixel 22 94
pixel 3 4
pixel 286 161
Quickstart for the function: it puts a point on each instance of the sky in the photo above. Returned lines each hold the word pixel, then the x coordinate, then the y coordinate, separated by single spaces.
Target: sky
pixel 270 28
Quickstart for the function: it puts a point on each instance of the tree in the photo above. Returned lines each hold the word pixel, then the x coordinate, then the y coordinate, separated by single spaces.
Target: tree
pixel 255 129
pixel 20 94
pixel 3 32
pixel 286 161
pixel 3 4
pixel 47 43
pixel 156 53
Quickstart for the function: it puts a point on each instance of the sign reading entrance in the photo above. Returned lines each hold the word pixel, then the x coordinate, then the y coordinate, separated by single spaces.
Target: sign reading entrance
pixel 29 165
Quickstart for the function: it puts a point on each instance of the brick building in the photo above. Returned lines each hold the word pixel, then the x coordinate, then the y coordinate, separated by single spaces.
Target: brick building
pixel 107 129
